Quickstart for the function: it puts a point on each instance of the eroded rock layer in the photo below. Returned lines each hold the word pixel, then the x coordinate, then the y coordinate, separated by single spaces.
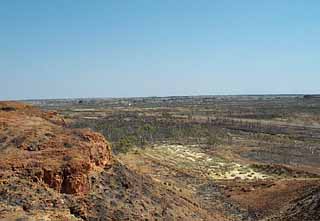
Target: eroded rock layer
pixel 38 144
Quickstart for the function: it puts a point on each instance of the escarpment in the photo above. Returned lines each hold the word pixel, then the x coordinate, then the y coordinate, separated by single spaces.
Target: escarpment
pixel 37 144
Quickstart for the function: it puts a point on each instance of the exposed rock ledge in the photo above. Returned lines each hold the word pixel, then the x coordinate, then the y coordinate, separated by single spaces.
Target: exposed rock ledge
pixel 38 144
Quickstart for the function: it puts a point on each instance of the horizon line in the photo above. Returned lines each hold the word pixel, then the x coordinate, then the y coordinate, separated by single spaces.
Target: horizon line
pixel 168 96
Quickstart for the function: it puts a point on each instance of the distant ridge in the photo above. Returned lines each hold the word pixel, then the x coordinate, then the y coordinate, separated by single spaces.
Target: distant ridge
pixel 311 96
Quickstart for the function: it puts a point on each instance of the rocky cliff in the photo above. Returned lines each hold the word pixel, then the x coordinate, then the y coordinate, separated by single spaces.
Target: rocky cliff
pixel 38 144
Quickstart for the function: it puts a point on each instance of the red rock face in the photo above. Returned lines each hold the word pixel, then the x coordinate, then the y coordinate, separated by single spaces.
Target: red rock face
pixel 53 179
pixel 40 145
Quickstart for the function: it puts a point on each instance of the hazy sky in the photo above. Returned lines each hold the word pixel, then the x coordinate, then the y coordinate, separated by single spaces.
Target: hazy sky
pixel 81 48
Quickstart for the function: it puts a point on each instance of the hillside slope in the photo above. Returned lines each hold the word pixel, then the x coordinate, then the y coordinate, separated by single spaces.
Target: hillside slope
pixel 51 172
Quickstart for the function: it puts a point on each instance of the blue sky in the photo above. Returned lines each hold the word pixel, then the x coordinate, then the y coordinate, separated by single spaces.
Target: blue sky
pixel 106 48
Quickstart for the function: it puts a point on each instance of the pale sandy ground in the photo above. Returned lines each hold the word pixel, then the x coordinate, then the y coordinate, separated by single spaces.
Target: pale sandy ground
pixel 193 157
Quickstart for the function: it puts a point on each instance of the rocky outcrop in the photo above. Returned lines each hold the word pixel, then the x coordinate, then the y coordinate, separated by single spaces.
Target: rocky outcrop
pixel 39 145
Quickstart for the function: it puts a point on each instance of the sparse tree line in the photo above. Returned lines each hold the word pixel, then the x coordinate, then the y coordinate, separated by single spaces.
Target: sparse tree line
pixel 126 131
pixel 136 129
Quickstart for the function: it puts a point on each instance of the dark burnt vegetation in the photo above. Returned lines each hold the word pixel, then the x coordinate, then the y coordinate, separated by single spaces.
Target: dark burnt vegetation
pixel 126 131
pixel 280 129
